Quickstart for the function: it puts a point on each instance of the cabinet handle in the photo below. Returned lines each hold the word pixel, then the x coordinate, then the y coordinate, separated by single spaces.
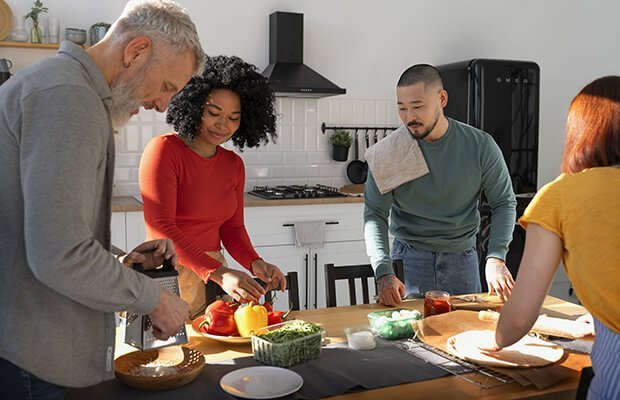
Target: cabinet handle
pixel 327 223
pixel 307 282
pixel 316 278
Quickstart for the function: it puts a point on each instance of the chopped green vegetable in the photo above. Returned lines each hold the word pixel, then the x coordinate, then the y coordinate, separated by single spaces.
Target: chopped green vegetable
pixel 294 330
pixel 293 343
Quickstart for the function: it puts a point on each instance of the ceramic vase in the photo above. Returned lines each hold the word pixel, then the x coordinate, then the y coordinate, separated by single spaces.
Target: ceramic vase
pixel 36 35
pixel 19 34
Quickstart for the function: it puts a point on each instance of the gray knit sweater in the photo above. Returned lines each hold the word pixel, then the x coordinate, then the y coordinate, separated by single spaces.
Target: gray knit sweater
pixel 58 283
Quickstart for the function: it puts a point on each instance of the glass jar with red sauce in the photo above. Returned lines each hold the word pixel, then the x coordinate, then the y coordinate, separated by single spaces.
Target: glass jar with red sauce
pixel 436 302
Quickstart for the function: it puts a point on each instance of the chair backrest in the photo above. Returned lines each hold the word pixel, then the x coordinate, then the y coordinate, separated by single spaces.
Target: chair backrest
pixel 214 291
pixel 587 373
pixel 334 273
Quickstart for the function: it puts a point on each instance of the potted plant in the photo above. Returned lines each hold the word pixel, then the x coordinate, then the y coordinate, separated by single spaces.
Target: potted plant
pixel 341 141
pixel 97 32
pixel 36 36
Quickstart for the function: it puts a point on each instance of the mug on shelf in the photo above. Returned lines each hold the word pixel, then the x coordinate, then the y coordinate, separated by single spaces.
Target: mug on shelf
pixel 77 36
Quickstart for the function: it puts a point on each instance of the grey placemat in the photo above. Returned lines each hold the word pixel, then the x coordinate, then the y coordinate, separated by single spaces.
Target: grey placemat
pixel 337 371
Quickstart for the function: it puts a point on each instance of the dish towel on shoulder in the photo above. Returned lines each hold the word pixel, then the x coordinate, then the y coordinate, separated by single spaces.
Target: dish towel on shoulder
pixel 395 160
pixel 310 234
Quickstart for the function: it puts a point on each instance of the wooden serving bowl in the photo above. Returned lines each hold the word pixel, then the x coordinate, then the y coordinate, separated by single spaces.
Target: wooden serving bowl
pixel 130 370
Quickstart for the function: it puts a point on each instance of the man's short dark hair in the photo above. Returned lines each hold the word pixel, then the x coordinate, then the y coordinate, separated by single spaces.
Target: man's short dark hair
pixel 421 73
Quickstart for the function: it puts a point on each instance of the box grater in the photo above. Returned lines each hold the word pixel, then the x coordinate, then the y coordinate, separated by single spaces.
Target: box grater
pixel 139 328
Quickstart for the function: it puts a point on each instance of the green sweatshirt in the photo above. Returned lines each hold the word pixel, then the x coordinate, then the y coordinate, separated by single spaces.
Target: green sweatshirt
pixel 439 211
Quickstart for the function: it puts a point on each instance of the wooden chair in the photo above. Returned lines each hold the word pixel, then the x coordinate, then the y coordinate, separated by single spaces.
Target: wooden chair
pixel 214 291
pixel 334 273
pixel 587 373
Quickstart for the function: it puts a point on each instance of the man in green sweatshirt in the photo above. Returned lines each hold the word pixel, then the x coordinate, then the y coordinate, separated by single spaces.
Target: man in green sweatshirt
pixel 434 218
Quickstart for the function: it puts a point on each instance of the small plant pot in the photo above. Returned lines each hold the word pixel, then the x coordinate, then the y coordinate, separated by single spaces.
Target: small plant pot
pixel 340 153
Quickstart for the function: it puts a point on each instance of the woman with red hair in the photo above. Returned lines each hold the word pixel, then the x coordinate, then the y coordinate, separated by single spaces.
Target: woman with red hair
pixel 576 219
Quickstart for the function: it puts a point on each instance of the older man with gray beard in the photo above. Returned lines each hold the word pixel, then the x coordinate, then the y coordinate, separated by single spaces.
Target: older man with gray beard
pixel 59 284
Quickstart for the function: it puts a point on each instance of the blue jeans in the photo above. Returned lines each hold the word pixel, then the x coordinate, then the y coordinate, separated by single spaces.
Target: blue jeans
pixel 455 273
pixel 17 384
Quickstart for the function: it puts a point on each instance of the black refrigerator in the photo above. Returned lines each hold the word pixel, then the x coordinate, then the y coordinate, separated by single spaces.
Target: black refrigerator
pixel 501 97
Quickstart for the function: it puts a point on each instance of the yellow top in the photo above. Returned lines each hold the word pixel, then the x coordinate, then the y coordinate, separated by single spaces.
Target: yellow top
pixel 583 209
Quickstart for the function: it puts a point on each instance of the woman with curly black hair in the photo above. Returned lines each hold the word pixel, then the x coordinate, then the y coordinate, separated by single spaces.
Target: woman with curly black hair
pixel 192 187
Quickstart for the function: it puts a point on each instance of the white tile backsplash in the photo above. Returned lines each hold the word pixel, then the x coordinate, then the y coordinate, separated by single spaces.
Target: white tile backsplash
pixel 299 138
pixel 132 138
pixel 268 158
pixel 300 156
pixel 299 112
pixel 347 112
pixel 285 111
pixel 335 112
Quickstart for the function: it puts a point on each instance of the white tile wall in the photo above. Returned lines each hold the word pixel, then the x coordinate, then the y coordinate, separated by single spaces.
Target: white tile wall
pixel 301 154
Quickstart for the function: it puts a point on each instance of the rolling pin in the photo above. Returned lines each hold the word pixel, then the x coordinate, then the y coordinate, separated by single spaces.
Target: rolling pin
pixel 550 326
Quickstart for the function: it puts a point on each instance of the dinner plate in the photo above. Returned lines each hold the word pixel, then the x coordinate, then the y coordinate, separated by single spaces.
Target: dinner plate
pixel 225 339
pixel 261 382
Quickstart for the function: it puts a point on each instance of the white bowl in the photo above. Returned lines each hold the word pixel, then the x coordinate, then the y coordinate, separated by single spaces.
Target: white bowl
pixel 77 36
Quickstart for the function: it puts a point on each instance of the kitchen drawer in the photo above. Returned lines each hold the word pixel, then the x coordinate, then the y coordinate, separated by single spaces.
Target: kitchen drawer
pixel 273 226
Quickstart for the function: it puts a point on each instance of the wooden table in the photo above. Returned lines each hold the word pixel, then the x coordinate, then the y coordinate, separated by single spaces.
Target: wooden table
pixel 334 320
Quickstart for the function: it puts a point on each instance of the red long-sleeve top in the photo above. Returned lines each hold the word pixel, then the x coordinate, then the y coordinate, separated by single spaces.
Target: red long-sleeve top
pixel 195 201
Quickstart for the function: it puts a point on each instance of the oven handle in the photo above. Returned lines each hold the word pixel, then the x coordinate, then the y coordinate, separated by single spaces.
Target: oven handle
pixel 316 278
pixel 306 261
pixel 327 223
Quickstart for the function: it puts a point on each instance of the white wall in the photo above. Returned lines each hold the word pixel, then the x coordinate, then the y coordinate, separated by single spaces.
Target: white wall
pixel 363 45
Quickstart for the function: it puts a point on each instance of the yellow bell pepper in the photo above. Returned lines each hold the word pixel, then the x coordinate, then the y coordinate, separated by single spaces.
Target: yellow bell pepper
pixel 250 318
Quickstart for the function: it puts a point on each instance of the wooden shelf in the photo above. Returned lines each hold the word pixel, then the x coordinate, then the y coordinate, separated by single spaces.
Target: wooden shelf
pixel 29 45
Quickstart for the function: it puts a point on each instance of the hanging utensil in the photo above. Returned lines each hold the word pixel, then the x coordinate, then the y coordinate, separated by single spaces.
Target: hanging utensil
pixel 357 169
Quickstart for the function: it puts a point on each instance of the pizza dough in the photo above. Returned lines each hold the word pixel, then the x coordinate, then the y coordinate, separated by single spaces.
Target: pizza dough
pixel 527 352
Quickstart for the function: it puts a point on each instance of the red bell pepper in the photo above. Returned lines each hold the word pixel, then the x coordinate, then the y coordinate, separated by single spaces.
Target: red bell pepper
pixel 268 306
pixel 217 305
pixel 220 320
pixel 274 317
pixel 233 305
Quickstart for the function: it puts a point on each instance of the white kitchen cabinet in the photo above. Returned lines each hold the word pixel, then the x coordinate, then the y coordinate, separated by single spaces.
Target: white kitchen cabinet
pixel 135 228
pixel 119 236
pixel 272 232
pixel 128 229
pixel 310 267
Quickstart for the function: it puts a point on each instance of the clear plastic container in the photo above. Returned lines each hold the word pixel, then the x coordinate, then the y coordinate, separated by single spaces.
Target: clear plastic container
pixel 360 337
pixel 392 325
pixel 288 353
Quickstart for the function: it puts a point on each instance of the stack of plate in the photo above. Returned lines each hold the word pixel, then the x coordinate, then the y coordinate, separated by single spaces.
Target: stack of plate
pixel 6 20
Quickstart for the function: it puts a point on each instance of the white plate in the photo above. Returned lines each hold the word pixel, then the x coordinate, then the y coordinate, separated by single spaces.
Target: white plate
pixel 261 382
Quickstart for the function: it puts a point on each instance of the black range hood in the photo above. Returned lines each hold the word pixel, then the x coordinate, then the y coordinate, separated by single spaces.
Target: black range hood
pixel 288 76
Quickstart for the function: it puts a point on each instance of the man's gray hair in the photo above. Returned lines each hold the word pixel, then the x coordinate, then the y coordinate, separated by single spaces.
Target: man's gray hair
pixel 163 21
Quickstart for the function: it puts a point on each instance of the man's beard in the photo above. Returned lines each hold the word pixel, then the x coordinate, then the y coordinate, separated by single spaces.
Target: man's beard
pixel 427 131
pixel 125 99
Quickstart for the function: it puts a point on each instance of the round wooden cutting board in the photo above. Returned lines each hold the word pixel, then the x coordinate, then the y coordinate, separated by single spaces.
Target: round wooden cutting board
pixel 527 352
pixel 6 20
